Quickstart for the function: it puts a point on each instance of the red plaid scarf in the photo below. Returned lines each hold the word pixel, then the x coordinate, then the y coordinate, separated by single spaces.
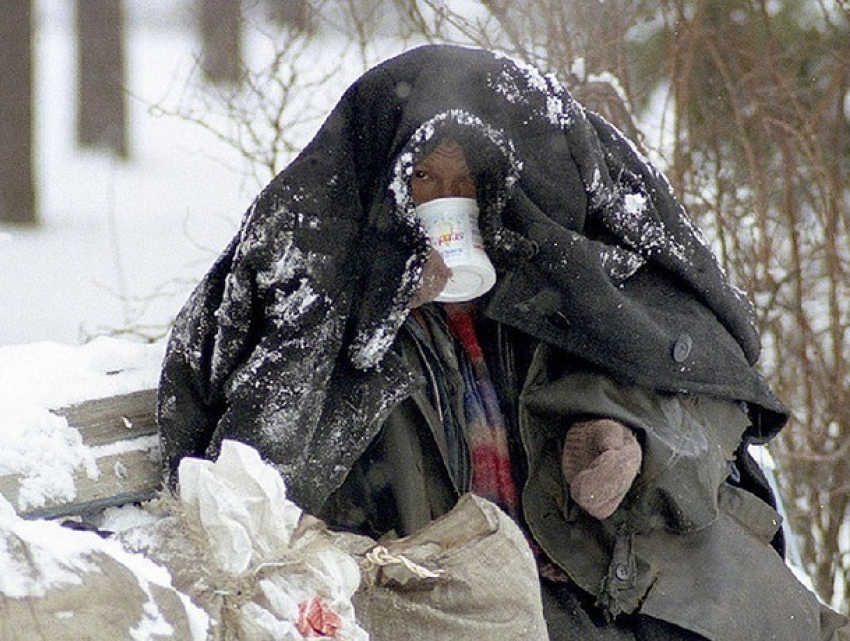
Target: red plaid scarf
pixel 486 431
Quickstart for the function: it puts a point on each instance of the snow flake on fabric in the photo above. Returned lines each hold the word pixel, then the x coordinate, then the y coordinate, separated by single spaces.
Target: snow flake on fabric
pixel 516 89
pixel 368 350
pixel 620 264
pixel 403 169
pixel 291 278
pixel 630 218
pixel 627 210
pixel 291 307
pixel 400 184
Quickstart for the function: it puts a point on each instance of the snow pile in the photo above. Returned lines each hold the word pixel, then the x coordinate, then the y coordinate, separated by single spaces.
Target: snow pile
pixel 231 540
pixel 231 558
pixel 257 564
pixel 57 583
pixel 40 377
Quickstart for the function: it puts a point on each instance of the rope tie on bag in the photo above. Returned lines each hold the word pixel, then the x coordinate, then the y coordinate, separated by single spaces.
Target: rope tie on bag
pixel 379 557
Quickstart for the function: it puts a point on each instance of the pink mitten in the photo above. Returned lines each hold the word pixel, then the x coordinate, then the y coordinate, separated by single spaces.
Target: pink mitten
pixel 601 459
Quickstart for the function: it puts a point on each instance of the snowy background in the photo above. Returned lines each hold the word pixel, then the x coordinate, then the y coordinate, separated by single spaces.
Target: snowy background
pixel 116 237
pixel 121 244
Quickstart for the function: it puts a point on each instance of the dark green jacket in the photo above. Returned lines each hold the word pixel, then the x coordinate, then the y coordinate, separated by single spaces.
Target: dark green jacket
pixel 691 545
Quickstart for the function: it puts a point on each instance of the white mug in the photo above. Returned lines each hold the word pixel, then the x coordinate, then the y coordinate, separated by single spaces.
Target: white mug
pixel 452 227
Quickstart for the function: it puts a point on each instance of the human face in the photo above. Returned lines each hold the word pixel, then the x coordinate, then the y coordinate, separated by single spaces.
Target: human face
pixel 442 174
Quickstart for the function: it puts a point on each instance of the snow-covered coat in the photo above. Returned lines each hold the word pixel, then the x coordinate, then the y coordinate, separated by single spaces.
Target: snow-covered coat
pixel 287 342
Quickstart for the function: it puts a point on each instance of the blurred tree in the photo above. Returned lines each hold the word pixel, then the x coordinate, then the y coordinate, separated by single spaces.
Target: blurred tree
pixel 220 23
pixel 761 152
pixel 17 189
pixel 583 43
pixel 290 14
pixel 101 95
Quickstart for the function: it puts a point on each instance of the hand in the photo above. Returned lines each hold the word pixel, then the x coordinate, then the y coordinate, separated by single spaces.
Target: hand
pixel 600 461
pixel 435 275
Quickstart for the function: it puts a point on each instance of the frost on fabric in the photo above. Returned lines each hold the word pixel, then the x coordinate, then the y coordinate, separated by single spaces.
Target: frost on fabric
pixel 303 322
pixel 400 184
pixel 369 349
pixel 658 175
pixel 620 264
pixel 634 204
pixel 596 185
pixel 287 284
pixel 299 402
pixel 628 215
pixel 403 169
pixel 516 88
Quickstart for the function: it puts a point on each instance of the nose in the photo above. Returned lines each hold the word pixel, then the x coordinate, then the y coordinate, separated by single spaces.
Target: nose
pixel 460 187
pixel 449 189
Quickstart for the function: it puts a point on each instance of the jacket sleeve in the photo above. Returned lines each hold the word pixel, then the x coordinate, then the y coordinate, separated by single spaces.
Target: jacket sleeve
pixel 189 404
pixel 687 442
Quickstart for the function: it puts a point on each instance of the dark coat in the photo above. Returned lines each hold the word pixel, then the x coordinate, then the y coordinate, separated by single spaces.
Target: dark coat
pixel 286 343
pixel 688 549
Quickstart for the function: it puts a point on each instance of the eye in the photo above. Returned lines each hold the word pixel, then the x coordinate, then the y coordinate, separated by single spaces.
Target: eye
pixel 420 174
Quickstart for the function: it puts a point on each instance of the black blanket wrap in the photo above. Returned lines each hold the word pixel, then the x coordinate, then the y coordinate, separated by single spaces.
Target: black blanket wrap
pixel 286 343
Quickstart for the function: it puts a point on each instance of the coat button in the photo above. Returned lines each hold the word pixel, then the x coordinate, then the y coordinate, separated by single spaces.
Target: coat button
pixel 622 572
pixel 682 348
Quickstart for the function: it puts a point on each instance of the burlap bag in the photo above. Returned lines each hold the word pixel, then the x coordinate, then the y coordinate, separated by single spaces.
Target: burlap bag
pixel 57 583
pixel 261 568
pixel 468 575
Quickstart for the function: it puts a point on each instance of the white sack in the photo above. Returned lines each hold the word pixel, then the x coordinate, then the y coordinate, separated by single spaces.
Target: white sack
pixel 258 565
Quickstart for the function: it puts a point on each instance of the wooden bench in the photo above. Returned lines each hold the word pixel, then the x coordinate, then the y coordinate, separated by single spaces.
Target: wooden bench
pixel 122 433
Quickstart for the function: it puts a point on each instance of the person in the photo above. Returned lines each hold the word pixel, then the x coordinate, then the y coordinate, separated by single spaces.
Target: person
pixel 603 392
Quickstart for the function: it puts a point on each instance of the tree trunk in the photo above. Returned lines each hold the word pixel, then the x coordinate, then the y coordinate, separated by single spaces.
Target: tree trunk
pixel 17 184
pixel 101 101
pixel 289 14
pixel 221 37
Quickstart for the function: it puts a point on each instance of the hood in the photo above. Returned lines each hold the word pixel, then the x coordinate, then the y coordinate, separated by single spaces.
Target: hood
pixel 575 170
pixel 286 342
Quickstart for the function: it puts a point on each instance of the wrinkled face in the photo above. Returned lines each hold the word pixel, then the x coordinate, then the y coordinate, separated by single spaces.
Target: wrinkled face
pixel 442 174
